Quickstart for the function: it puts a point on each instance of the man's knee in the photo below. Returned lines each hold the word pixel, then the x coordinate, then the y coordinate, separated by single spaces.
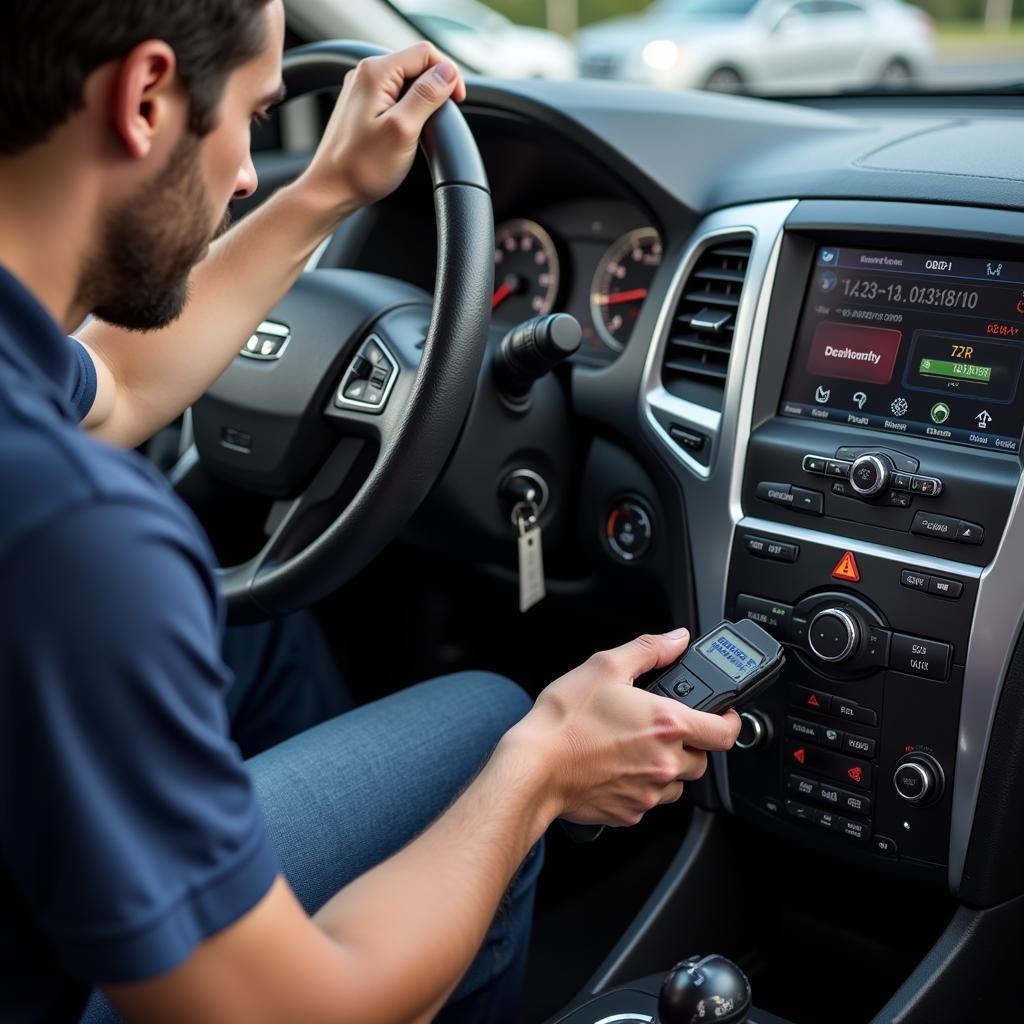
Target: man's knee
pixel 490 701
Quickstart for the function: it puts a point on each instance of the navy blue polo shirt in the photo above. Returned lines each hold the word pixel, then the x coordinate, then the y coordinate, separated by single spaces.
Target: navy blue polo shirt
pixel 129 831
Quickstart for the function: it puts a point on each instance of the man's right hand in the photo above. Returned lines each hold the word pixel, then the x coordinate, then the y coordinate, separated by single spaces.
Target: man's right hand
pixel 610 751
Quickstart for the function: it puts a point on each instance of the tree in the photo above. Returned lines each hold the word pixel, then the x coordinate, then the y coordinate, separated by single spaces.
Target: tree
pixel 564 15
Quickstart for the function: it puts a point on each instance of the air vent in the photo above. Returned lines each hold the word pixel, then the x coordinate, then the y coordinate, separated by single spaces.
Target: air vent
pixel 700 339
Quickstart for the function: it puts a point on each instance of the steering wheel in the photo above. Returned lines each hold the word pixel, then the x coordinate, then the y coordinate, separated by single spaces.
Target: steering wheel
pixel 348 400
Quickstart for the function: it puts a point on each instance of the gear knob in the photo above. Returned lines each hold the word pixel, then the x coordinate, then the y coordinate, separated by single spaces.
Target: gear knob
pixel 704 989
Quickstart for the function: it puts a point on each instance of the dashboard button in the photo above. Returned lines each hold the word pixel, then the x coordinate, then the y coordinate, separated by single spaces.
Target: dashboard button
pixel 801 812
pixel 855 829
pixel 926 485
pixel 943 527
pixel 885 846
pixel 854 802
pixel 945 588
pixel 842 488
pixel 811 502
pixel 919 657
pixel 836 767
pixel 777 494
pixel 914 580
pixel 969 533
pixel 859 746
pixel 805 787
pixel 897 499
pixel 812 700
pixel 777 550
pixel 815 732
pixel 828 820
pixel 815 464
pixel 901 481
pixel 770 615
pixel 689 439
pixel 852 712
pixel 837 468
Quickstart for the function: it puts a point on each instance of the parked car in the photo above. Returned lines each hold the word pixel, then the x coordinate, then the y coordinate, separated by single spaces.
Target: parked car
pixel 762 46
pixel 488 42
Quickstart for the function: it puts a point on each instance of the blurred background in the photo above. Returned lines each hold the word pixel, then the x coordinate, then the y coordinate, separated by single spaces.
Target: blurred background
pixel 762 47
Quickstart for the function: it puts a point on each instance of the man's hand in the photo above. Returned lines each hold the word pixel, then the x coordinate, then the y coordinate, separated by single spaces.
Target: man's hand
pixel 612 752
pixel 371 139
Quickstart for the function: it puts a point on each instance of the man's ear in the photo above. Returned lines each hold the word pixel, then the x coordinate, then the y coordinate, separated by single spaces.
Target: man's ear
pixel 146 97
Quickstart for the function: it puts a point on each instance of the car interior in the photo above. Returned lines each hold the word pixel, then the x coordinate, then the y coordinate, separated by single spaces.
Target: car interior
pixel 794 399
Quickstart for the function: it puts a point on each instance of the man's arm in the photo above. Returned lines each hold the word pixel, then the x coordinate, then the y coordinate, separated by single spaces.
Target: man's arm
pixel 146 381
pixel 392 946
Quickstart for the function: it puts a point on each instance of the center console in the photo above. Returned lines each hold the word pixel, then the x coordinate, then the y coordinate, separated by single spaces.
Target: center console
pixel 857 498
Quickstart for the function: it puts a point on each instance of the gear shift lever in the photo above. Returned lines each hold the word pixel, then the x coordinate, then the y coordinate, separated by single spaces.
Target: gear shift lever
pixel 704 989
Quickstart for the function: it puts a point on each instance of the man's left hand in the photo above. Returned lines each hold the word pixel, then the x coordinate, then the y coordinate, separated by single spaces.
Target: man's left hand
pixel 371 139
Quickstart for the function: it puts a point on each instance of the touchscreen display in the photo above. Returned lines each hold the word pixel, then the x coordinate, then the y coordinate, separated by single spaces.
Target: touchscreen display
pixel 731 654
pixel 907 343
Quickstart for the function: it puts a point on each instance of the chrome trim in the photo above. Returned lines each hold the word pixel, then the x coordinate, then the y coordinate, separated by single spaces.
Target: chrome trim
pixel 998 616
pixel 757 724
pixel 642 1018
pixel 354 403
pixel 268 327
pixel 712 493
pixel 318 253
pixel 852 633
pixel 926 782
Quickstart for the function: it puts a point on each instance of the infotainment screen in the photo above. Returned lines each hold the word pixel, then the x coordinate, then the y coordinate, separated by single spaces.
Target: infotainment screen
pixel 906 343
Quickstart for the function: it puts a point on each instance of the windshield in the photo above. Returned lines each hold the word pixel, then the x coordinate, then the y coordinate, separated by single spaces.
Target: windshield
pixel 759 47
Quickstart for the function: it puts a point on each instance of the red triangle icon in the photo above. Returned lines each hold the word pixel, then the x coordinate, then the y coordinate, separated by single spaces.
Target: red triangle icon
pixel 800 755
pixel 847 569
pixel 813 702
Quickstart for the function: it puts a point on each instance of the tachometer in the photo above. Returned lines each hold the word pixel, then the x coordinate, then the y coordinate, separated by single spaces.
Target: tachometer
pixel 621 283
pixel 526 273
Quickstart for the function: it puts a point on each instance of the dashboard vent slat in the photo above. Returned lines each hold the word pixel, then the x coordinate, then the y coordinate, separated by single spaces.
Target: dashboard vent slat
pixel 696 359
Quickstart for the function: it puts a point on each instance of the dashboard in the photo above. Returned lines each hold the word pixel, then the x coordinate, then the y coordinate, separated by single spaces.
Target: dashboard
pixel 798 401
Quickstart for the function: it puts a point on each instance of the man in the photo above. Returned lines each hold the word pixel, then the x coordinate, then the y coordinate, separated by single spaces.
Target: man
pixel 138 854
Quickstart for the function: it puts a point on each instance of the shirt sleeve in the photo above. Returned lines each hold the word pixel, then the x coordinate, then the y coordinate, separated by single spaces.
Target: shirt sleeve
pixel 83 383
pixel 127 818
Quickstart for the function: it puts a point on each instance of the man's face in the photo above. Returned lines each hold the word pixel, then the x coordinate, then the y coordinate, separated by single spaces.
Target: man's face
pixel 138 277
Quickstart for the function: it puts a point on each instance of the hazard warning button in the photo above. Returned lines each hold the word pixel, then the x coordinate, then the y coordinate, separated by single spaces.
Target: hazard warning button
pixel 811 700
pixel 846 569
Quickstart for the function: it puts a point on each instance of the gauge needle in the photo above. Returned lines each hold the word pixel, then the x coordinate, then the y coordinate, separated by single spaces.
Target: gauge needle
pixel 505 289
pixel 611 300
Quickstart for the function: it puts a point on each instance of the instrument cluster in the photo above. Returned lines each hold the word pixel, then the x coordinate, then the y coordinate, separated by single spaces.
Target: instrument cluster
pixel 594 260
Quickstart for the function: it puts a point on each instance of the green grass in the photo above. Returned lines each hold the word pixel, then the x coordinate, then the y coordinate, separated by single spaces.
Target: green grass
pixel 975 32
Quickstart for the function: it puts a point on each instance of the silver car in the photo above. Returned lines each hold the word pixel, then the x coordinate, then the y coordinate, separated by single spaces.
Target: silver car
pixel 762 46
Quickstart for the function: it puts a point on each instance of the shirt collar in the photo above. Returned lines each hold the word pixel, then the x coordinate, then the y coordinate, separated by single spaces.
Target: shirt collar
pixel 33 343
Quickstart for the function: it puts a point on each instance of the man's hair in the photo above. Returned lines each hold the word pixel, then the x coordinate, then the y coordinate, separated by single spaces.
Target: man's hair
pixel 48 48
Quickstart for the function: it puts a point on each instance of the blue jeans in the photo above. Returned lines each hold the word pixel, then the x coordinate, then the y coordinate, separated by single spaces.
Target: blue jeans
pixel 344 795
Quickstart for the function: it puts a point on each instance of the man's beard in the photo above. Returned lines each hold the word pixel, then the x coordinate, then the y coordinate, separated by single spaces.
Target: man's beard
pixel 138 275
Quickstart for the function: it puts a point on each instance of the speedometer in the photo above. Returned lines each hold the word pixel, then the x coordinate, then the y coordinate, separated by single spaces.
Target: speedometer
pixel 526 274
pixel 621 283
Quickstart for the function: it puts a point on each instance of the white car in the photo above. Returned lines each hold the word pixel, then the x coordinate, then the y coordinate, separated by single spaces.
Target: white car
pixel 488 42
pixel 762 46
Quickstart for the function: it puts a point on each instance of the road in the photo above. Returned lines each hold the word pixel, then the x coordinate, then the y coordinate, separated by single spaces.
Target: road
pixel 968 73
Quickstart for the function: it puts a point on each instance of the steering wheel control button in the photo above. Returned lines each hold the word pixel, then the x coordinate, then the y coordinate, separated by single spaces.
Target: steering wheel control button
pixel 777 494
pixel 852 712
pixel 811 502
pixel 776 550
pixel 268 341
pixel 870 474
pixel 815 464
pixel 942 527
pixel 368 380
pixel 917 657
pixel 629 531
pixel 945 588
pixel 833 635
pixel 915 580
pixel 772 616
pixel 969 533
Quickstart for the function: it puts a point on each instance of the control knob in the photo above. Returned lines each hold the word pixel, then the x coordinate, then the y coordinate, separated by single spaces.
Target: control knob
pixel 870 474
pixel 755 732
pixel 833 635
pixel 918 779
